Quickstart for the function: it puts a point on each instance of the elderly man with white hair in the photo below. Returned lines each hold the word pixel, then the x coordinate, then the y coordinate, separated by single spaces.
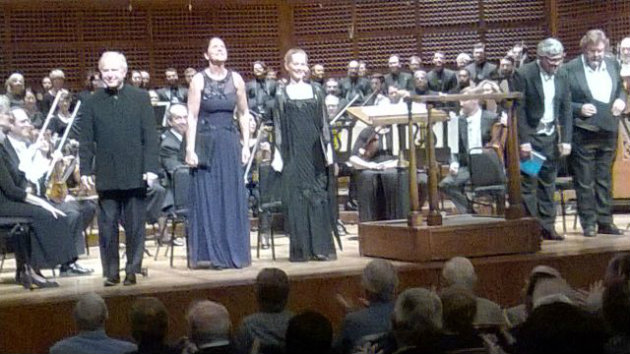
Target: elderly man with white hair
pixel 459 272
pixel 90 314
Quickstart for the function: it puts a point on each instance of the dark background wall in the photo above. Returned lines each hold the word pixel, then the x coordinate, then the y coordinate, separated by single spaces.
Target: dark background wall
pixel 38 35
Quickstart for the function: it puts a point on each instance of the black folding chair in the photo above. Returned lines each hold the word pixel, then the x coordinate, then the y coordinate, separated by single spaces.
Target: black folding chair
pixel 487 177
pixel 179 212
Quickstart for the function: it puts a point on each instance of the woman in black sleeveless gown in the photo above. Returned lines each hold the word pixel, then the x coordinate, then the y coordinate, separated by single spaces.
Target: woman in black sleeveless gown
pixel 218 222
pixel 305 152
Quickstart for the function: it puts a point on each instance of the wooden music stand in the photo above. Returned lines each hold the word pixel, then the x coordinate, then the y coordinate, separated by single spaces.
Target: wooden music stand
pixel 459 235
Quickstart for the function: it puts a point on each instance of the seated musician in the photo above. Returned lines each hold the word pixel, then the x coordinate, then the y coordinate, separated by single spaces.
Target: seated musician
pixel 171 154
pixel 54 232
pixel 475 130
pixel 382 190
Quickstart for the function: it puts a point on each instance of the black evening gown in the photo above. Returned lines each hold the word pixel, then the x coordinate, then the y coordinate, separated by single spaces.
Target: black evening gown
pixel 305 179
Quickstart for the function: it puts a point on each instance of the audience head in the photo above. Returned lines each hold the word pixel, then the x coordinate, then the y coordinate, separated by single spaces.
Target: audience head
pixel 46 83
pixel 90 312
pixel 380 280
pixel 616 307
pixel 594 46
pixel 519 51
pixel 332 105
pixel 463 78
pixel 318 72
pixel 15 84
pixel 618 269
pixel 272 290
pixel 332 87
pixel 417 315
pixel 394 64
pixel 439 58
pixel 551 290
pixel 459 308
pixel 506 66
pixel 259 69
pixel 136 78
pixel 460 273
pixel 462 60
pixel 353 69
pixel 296 64
pixel 377 81
pixel 561 328
pixel 537 274
pixel 57 78
pixel 30 99
pixel 459 270
pixel 208 322
pixel 309 333
pixel 177 118
pixel 172 79
pixel 113 68
pixel 188 74
pixel 153 96
pixel 420 80
pixel 415 63
pixel 93 80
pixel 394 93
pixel 362 68
pixel 550 54
pixel 479 53
pixel 149 320
pixel 146 79
pixel 65 99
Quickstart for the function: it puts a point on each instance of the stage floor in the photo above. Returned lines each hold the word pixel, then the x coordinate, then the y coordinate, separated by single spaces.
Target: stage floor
pixel 162 278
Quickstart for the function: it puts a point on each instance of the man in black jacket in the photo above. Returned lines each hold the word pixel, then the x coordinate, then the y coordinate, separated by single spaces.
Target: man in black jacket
pixel 173 92
pixel 597 100
pixel 544 126
pixel 480 69
pixel 119 146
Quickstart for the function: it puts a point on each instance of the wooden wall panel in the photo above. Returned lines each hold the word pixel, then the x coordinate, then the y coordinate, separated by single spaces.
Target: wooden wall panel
pixel 333 53
pixel 385 15
pixel 500 40
pixel 442 13
pixel 377 50
pixel 513 10
pixel 322 18
pixel 451 43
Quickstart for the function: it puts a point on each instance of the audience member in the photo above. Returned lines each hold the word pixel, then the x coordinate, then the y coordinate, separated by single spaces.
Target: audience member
pixel 209 328
pixel 149 326
pixel 309 333
pixel 459 308
pixel 90 314
pixel 379 282
pixel 417 322
pixel 268 326
pixel 616 313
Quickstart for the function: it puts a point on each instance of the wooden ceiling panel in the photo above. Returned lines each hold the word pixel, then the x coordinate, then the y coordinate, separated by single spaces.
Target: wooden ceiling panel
pixel 322 18
pixel 383 15
pixel 442 13
pixel 513 10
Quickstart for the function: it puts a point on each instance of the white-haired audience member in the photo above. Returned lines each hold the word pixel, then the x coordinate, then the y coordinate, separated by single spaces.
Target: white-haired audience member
pixel 459 271
pixel 268 326
pixel 209 328
pixel 379 282
pixel 90 314
pixel 417 322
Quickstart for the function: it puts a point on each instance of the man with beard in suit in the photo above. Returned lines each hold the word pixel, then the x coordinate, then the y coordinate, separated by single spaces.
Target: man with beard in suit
pixel 597 100
pixel 173 92
pixel 544 126
pixel 480 69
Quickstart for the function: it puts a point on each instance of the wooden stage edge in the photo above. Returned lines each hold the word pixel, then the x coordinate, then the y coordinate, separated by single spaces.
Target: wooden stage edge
pixel 31 321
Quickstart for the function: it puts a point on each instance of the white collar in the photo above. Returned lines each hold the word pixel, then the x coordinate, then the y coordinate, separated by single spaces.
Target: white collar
pixel 587 68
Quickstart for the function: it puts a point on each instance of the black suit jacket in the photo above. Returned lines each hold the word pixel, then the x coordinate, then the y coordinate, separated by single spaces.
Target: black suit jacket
pixel 349 88
pixel 488 119
pixel 12 180
pixel 403 80
pixel 118 141
pixel 480 73
pixel 171 155
pixel 581 94
pixel 166 94
pixel 442 82
pixel 532 107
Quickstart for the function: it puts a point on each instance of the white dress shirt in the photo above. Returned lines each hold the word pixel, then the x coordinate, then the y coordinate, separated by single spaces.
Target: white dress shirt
pixel 599 81
pixel 549 91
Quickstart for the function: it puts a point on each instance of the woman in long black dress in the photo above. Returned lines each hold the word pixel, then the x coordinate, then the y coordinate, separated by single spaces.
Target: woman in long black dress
pixel 218 221
pixel 305 158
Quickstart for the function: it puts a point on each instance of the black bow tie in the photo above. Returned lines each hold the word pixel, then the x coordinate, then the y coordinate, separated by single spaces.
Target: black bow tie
pixel 112 91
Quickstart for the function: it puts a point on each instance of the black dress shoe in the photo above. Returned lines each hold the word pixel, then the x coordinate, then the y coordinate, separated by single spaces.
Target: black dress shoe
pixel 320 258
pixel 551 235
pixel 351 205
pixel 589 231
pixel 130 279
pixel 112 281
pixel 608 229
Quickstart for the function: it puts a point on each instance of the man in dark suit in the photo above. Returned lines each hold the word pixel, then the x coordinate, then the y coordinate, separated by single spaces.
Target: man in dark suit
pixel 480 69
pixel 396 77
pixel 475 130
pixel 440 78
pixel 173 92
pixel 171 154
pixel 119 146
pixel 544 126
pixel 260 90
pixel 353 85
pixel 597 100
pixel 209 328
